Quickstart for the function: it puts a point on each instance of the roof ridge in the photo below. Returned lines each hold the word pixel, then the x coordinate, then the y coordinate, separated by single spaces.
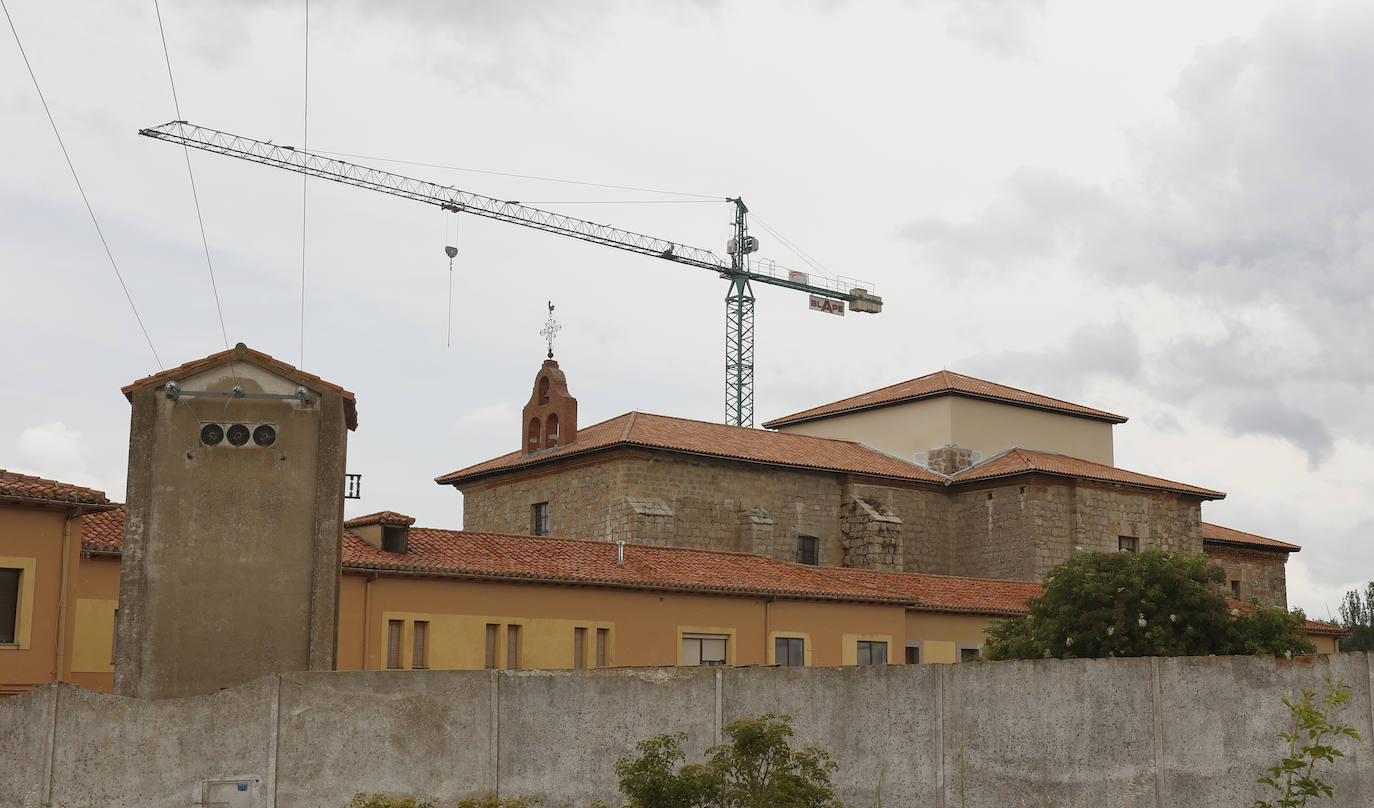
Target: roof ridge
pixel 629 426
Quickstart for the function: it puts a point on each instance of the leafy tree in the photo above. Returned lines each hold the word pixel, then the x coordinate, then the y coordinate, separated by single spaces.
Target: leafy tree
pixel 756 768
pixel 1357 616
pixel 1148 604
pixel 1309 743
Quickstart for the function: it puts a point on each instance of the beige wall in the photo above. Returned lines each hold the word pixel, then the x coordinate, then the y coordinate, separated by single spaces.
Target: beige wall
pixel 31 541
pixel 986 426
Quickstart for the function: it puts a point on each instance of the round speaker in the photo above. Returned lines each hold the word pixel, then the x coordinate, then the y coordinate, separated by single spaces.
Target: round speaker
pixel 211 434
pixel 237 434
pixel 264 435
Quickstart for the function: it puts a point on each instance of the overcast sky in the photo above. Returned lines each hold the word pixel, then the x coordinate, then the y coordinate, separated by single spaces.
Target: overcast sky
pixel 1164 210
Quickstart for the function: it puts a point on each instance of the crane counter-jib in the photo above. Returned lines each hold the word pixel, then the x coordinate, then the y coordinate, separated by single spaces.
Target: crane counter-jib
pixel 738 269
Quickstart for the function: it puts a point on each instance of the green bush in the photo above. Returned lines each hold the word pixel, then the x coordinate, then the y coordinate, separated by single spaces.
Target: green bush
pixel 1148 604
pixel 361 800
pixel 1309 743
pixel 756 768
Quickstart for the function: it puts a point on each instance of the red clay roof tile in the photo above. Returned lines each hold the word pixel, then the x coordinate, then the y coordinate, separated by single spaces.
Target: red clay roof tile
pixel 941 383
pixel 14 485
pixel 1027 461
pixel 717 440
pixel 1226 535
pixel 103 532
pixel 381 518
pixel 244 353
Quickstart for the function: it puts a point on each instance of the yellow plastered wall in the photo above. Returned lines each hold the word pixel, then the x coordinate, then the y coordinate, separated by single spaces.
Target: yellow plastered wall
pixel 23 618
pixel 459 641
pixel 93 650
pixel 941 635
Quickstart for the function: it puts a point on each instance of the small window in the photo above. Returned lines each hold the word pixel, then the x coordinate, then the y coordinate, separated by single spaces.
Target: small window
pixel 543 389
pixel 419 647
pixel 512 647
pixel 551 431
pixel 704 649
pixel 9 605
pixel 539 518
pixel 1235 588
pixel 532 441
pixel 579 648
pixel 602 636
pixel 1127 544
pixel 790 651
pixel 969 653
pixel 872 652
pixel 394 538
pixel 393 643
pixel 491 644
pixel 913 655
pixel 806 550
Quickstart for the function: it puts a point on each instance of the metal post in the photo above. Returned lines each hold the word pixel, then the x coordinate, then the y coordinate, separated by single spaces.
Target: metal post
pixel 739 329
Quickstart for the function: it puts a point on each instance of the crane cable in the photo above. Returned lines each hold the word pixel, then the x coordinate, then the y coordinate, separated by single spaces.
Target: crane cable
pixel 305 178
pixel 79 187
pixel 205 242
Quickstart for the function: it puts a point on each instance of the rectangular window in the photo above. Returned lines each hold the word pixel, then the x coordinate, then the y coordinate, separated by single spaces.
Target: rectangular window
pixel 790 651
pixel 1235 588
pixel 579 648
pixel 872 652
pixel 703 649
pixel 9 605
pixel 1127 544
pixel 418 658
pixel 602 636
pixel 968 652
pixel 512 647
pixel 393 643
pixel 114 640
pixel 913 655
pixel 491 644
pixel 806 550
pixel 539 518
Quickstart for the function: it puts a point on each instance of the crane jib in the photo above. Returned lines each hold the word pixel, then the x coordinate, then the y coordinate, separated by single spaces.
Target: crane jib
pixel 739 270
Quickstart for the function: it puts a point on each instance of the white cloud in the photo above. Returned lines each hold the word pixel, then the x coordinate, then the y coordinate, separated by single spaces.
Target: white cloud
pixel 57 452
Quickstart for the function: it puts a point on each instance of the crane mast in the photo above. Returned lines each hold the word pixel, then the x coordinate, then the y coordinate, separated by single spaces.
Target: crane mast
pixel 740 271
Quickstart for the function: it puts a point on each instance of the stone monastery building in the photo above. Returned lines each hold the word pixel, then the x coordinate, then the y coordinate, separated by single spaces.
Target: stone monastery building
pixel 943 474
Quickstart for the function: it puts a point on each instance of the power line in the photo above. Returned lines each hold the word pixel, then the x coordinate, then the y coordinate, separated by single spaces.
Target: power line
pixel 186 151
pixel 520 176
pixel 79 188
pixel 305 179
pixel 798 251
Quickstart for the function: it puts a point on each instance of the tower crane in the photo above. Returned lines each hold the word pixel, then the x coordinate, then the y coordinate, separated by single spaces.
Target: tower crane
pixel 826 294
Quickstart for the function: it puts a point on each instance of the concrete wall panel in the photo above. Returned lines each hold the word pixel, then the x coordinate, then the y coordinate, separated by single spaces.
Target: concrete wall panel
pixel 117 752
pixel 422 733
pixel 26 725
pixel 561 732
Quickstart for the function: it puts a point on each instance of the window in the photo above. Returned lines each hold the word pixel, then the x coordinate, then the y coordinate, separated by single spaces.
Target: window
pixel 1127 544
pixel 393 643
pixel 512 647
pixel 872 652
pixel 395 538
pixel 114 640
pixel 551 431
pixel 703 649
pixel 790 651
pixel 913 654
pixel 579 648
pixel 1235 588
pixel 9 606
pixel 532 442
pixel 491 644
pixel 543 389
pixel 602 635
pixel 968 652
pixel 806 550
pixel 539 518
pixel 418 658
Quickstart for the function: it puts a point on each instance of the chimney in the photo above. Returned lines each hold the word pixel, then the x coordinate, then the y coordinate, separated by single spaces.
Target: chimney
pixel 549 419
pixel 951 459
pixel 387 531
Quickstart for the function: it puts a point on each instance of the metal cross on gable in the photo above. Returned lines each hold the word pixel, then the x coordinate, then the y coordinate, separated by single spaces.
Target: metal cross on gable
pixel 551 329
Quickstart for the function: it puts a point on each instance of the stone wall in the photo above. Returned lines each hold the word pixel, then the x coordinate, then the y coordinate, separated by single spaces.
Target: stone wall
pixel 1262 575
pixel 1151 733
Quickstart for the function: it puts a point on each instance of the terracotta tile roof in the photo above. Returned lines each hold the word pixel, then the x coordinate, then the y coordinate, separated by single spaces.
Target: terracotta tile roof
pixel 1027 461
pixel 1308 626
pixel 14 485
pixel 381 518
pixel 1226 535
pixel 716 440
pixel 243 353
pixel 103 532
pixel 940 383
pixel 577 561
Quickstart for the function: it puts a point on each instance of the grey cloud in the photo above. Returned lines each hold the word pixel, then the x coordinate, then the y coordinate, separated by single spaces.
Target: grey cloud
pixel 1263 416
pixel 999 26
pixel 1095 349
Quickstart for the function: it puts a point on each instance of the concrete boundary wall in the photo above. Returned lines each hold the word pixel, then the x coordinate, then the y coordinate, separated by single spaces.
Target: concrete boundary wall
pixel 1174 732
